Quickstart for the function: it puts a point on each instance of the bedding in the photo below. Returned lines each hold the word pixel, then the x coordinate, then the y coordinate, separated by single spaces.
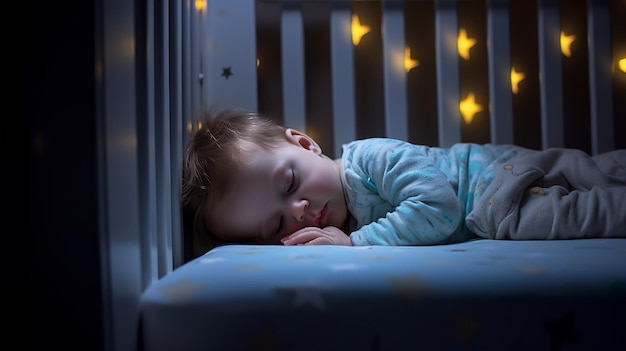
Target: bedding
pixel 481 295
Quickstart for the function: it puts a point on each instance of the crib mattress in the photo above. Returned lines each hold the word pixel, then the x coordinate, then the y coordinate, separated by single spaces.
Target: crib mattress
pixel 478 295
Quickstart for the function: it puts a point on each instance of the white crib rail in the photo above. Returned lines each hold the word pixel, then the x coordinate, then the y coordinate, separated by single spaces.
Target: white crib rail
pixel 231 25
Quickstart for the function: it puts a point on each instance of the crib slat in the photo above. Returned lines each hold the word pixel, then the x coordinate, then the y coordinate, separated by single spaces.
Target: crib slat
pixel 163 147
pixel 394 72
pixel 446 31
pixel 292 50
pixel 344 116
pixel 601 96
pixel 233 53
pixel 499 72
pixel 550 80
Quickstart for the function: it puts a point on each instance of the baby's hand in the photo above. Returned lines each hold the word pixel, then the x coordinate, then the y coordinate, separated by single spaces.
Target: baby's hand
pixel 317 236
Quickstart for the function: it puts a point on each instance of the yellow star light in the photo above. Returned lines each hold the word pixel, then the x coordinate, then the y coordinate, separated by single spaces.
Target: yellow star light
pixel 622 65
pixel 566 43
pixel 409 63
pixel 465 44
pixel 469 108
pixel 200 5
pixel 358 30
pixel 516 77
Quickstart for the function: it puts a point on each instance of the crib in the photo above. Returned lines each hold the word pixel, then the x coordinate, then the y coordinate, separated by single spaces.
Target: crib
pixel 541 74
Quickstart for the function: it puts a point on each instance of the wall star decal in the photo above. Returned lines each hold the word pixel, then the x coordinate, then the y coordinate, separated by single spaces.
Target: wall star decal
pixel 227 72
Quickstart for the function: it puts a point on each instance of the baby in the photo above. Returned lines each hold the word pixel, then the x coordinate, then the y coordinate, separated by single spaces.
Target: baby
pixel 247 179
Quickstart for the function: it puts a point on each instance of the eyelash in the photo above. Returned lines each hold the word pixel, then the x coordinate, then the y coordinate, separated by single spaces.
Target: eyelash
pixel 290 189
pixel 292 183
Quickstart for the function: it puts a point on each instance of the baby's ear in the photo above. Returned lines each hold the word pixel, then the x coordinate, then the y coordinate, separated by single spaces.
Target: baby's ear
pixel 303 140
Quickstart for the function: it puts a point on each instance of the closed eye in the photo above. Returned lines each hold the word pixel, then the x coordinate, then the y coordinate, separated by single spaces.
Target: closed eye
pixel 280 225
pixel 291 185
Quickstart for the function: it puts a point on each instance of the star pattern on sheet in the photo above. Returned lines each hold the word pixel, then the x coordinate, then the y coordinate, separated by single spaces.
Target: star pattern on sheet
pixel 227 72
pixel 409 287
pixel 345 267
pixel 304 295
pixel 248 268
pixel 464 327
pixel 209 260
pixel 440 262
pixel 562 330
pixel 302 258
pixel 265 338
pixel 252 251
pixel 182 291
pixel 379 257
pixel 533 270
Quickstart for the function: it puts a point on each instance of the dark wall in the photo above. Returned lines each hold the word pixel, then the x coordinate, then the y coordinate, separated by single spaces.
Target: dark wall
pixel 63 290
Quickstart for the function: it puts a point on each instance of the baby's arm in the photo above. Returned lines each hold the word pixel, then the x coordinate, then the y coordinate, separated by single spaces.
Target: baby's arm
pixel 423 205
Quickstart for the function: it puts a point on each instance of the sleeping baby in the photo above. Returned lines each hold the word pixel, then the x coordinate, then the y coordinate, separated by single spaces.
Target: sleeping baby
pixel 247 179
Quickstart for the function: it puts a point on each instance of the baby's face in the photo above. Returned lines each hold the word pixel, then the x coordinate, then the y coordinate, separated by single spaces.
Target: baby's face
pixel 279 191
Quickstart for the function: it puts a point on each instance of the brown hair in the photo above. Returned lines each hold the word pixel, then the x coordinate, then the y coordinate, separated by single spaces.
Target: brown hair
pixel 212 155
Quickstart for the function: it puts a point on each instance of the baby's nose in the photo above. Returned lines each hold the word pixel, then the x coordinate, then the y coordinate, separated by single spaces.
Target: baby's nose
pixel 299 208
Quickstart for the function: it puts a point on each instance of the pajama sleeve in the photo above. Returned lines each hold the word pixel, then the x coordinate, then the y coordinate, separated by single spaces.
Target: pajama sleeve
pixel 406 199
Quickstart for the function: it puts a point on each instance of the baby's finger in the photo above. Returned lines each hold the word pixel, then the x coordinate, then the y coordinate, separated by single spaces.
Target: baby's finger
pixel 321 240
pixel 302 236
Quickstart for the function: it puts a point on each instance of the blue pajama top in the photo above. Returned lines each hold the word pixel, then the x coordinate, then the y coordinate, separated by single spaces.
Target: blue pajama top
pixel 400 193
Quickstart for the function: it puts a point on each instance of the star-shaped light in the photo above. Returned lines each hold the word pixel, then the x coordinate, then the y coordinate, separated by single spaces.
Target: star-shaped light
pixel 358 30
pixel 469 108
pixel 516 77
pixel 200 5
pixel 409 63
pixel 227 72
pixel 464 44
pixel 622 64
pixel 566 42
